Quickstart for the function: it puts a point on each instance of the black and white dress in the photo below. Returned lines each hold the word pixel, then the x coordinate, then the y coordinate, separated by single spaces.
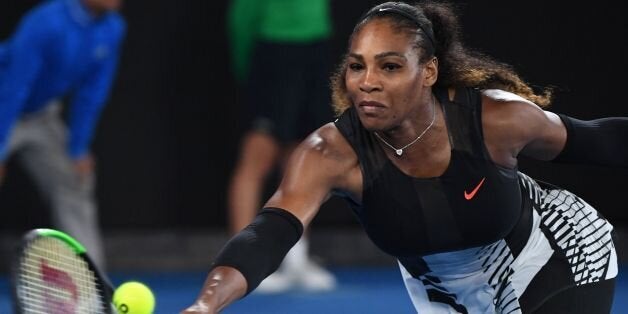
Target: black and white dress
pixel 480 238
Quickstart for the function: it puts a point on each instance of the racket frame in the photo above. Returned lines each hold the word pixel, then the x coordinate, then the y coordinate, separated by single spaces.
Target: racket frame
pixel 102 281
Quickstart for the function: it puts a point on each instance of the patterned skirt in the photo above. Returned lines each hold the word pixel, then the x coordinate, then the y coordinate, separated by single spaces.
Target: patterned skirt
pixel 570 244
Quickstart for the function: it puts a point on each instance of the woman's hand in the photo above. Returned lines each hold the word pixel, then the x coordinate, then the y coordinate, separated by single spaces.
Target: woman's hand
pixel 223 286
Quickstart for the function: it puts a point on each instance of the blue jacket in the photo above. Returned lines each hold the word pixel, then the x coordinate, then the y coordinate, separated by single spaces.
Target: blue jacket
pixel 59 49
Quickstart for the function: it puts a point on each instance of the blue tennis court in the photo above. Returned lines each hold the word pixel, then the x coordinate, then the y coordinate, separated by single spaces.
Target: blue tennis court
pixel 361 290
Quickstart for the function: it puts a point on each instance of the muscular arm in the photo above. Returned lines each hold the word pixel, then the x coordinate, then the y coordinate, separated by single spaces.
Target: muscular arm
pixel 320 164
pixel 514 126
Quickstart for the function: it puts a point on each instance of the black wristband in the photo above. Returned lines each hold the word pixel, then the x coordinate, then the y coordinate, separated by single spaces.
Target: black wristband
pixel 257 250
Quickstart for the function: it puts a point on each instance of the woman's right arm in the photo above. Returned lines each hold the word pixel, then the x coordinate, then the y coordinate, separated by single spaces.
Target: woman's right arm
pixel 322 162
pixel 223 286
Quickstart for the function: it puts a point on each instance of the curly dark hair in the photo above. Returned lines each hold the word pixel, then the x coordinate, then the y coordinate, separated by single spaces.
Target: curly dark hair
pixel 439 35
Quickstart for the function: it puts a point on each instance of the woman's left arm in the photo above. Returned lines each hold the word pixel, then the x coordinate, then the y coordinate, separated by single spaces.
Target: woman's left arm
pixel 533 132
pixel 601 142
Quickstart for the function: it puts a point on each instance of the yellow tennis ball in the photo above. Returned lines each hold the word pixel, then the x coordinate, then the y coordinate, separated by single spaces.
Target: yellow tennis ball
pixel 134 297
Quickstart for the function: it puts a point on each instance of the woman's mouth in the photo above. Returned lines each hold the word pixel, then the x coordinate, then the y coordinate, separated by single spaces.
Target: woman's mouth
pixel 371 107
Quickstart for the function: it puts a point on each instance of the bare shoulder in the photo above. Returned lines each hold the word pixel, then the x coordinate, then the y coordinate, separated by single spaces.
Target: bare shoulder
pixel 509 115
pixel 330 155
pixel 322 163
pixel 328 142
pixel 506 105
pixel 509 122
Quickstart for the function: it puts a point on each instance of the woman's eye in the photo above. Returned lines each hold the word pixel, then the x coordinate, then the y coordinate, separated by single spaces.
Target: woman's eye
pixel 355 66
pixel 391 66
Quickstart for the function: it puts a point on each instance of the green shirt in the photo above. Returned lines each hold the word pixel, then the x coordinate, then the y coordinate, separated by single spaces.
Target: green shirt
pixel 281 21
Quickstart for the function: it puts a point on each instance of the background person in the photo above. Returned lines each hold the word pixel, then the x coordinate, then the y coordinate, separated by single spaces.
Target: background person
pixel 280 54
pixel 61 48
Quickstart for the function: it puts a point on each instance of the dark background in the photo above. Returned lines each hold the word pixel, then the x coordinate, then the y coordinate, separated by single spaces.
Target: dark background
pixel 167 141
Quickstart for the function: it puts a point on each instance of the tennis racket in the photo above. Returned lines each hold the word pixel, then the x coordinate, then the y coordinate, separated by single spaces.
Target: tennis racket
pixel 53 274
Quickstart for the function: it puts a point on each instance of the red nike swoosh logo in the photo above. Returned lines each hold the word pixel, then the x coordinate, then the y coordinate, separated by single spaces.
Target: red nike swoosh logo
pixel 469 196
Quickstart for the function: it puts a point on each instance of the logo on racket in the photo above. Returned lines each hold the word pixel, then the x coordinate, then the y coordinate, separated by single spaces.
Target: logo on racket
pixel 57 279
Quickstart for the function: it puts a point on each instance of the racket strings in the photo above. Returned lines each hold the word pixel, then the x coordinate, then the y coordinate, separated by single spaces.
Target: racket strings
pixel 54 280
pixel 31 269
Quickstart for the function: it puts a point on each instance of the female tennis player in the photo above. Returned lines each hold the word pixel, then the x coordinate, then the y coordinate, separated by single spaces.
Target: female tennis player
pixel 425 150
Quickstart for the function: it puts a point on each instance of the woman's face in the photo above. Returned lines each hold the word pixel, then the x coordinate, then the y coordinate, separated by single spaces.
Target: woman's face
pixel 384 80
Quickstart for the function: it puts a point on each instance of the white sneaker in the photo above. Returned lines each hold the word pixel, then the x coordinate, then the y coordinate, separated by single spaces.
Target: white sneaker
pixel 309 277
pixel 277 282
pixel 313 278
pixel 298 271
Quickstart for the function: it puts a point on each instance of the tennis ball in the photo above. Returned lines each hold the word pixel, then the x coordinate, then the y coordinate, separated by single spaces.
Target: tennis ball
pixel 134 297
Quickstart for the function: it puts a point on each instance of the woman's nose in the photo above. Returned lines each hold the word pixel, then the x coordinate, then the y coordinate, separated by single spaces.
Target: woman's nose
pixel 370 82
